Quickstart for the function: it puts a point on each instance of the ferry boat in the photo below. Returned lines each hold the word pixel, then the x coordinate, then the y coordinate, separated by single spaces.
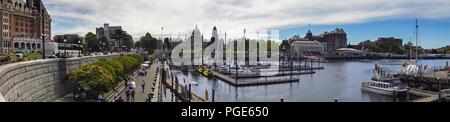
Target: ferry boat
pixel 384 84
pixel 386 88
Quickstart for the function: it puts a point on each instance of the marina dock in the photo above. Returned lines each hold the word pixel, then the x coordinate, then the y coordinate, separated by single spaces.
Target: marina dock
pixel 177 89
pixel 433 81
pixel 427 85
pixel 281 73
pixel 243 82
pixel 428 96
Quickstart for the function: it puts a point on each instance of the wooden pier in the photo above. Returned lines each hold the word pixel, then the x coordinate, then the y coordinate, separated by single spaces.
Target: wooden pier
pixel 281 73
pixel 241 82
pixel 177 89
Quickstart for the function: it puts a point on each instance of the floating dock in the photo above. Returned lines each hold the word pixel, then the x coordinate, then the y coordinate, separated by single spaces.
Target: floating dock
pixel 243 82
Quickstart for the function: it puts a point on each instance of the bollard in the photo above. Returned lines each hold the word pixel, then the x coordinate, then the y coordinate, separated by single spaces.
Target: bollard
pixel 281 99
pixel 213 94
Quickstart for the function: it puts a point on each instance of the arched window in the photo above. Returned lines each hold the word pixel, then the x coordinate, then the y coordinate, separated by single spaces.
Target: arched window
pixel 16 45
pixel 22 45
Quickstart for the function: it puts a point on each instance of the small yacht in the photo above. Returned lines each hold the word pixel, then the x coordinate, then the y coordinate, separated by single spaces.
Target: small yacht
pixel 413 65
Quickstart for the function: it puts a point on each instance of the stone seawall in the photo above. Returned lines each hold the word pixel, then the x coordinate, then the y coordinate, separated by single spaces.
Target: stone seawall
pixel 40 80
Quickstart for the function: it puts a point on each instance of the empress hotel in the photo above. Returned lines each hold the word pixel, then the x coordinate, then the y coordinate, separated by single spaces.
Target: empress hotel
pixel 23 24
pixel 324 42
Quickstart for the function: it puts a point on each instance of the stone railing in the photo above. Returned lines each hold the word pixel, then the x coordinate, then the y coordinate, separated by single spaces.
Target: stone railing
pixel 40 80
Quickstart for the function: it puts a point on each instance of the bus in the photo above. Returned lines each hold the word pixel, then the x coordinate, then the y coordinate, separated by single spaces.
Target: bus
pixel 57 50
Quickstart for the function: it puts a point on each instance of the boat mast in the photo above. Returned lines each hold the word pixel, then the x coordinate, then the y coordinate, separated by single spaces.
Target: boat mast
pixel 410 49
pixel 417 40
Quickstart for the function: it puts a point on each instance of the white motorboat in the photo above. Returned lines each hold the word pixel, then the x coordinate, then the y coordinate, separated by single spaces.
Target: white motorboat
pixel 384 84
pixel 386 88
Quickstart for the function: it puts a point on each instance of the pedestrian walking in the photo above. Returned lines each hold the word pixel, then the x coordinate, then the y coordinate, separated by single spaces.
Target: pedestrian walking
pixel 132 94
pixel 127 95
pixel 149 98
pixel 132 85
pixel 143 85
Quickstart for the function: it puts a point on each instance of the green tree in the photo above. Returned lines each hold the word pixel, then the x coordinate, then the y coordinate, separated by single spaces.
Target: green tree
pixel 103 75
pixel 73 38
pixel 166 44
pixel 128 42
pixel 120 36
pixel 92 43
pixel 148 43
pixel 104 44
pixel 93 76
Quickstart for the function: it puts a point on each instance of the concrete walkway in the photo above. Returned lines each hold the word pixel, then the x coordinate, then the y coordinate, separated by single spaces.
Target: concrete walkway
pixel 141 95
pixel 428 95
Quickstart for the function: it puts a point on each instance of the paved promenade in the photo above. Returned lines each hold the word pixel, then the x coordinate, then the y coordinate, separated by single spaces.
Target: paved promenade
pixel 141 95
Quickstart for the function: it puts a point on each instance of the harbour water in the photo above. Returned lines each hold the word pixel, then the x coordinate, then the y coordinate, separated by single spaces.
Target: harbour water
pixel 341 79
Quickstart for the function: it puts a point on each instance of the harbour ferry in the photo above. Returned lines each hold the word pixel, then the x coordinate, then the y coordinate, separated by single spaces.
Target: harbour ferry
pixel 383 84
pixel 386 88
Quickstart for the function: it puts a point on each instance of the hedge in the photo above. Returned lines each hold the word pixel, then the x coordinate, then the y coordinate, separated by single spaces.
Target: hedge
pixel 103 75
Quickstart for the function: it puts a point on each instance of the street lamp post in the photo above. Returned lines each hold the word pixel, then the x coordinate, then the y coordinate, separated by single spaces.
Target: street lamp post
pixel 65 48
pixel 43 34
pixel 79 48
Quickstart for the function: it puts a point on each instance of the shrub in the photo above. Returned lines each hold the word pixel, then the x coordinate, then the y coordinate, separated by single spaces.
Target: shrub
pixel 33 56
pixel 94 77
pixel 103 75
pixel 8 57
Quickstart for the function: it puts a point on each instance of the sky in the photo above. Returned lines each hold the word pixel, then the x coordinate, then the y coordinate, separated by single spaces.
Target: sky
pixel 361 19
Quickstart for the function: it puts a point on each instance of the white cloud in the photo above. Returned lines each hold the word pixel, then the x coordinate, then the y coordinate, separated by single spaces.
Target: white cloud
pixel 141 16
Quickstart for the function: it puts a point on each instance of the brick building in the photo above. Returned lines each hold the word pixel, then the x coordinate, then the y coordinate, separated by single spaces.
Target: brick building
pixel 331 40
pixel 389 40
pixel 22 25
